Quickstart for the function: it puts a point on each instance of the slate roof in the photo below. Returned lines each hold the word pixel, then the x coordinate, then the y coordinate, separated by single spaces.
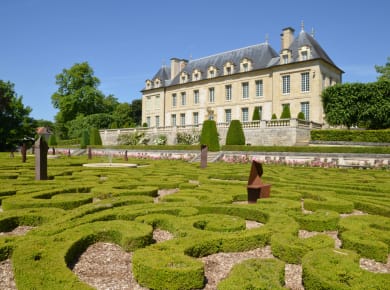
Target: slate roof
pixel 261 56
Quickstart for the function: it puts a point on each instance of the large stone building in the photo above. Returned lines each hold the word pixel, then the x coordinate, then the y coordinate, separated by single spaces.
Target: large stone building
pixel 231 85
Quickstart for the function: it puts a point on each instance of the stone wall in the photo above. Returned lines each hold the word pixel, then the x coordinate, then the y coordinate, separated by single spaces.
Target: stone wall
pixel 267 133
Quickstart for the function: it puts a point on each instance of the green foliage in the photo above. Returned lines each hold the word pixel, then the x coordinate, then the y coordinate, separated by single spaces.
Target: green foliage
pixel 256 114
pixel 274 116
pixel 235 134
pixel 209 135
pixel 301 116
pixel 382 136
pixel 94 137
pixel 130 138
pixel 358 104
pixel 84 139
pixel 15 122
pixel 255 274
pixel 384 71
pixel 187 138
pixel 286 114
pixel 52 140
pixel 99 121
pixel 160 140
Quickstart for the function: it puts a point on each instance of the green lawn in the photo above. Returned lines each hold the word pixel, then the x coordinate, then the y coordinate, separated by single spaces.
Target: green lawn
pixel 79 206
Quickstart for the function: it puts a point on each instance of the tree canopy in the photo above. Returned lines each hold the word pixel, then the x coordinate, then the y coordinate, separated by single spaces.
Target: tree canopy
pixel 384 71
pixel 16 124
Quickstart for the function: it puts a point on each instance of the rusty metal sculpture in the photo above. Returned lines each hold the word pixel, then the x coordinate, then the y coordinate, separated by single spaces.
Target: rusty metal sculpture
pixel 41 149
pixel 256 188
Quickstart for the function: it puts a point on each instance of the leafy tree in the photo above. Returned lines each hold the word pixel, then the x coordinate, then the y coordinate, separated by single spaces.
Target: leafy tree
pixel 209 135
pixel 136 106
pixel 384 71
pixel 99 121
pixel 77 94
pixel 52 140
pixel 123 114
pixel 235 134
pixel 15 122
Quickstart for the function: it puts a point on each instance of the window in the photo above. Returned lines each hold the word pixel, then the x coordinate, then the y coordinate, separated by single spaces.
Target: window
pixel 259 88
pixel 157 121
pixel 285 58
pixel 183 99
pixel 304 55
pixel 305 82
pixel 229 70
pixel 305 108
pixel 157 102
pixel 174 100
pixel 195 118
pixel 245 67
pixel 196 77
pixel 173 120
pixel 211 95
pixel 148 121
pixel 196 97
pixel 245 90
pixel 148 103
pixel 244 114
pixel 228 92
pixel 228 115
pixel 286 84
pixel 182 119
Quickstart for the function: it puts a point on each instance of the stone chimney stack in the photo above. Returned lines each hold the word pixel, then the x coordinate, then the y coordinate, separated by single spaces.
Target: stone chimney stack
pixel 183 63
pixel 175 67
pixel 287 37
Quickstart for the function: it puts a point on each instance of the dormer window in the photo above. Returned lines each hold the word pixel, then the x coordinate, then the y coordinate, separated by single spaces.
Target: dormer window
pixel 304 53
pixel 148 84
pixel 183 77
pixel 245 65
pixel 196 75
pixel 228 68
pixel 157 83
pixel 285 56
pixel 212 72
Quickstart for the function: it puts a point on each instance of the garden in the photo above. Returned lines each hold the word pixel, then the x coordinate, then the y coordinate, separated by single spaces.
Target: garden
pixel 168 224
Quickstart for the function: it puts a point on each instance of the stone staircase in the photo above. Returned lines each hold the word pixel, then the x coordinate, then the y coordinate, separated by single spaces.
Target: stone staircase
pixel 211 157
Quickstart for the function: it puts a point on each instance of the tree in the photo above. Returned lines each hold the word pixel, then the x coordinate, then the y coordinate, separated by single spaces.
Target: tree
pixel 15 123
pixel 78 125
pixel 84 140
pixel 136 106
pixel 123 115
pixel 77 95
pixel 286 114
pixel 256 114
pixel 209 135
pixel 94 137
pixel 384 71
pixel 235 134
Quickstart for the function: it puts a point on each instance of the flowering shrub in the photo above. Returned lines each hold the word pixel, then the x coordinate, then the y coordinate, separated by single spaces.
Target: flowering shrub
pixel 187 138
pixel 160 140
pixel 130 139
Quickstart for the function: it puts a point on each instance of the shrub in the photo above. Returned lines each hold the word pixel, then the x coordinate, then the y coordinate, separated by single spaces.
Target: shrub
pixel 256 114
pixel 351 135
pixel 130 139
pixel 274 116
pixel 52 140
pixel 94 137
pixel 301 116
pixel 235 134
pixel 209 135
pixel 286 114
pixel 160 140
pixel 84 140
pixel 187 138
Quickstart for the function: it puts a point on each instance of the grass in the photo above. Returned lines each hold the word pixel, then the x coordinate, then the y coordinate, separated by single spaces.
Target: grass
pixel 79 206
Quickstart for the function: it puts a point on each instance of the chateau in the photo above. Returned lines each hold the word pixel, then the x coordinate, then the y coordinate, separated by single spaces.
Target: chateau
pixel 231 85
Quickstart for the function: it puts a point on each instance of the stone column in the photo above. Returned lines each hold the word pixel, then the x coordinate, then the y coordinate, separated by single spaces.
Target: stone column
pixel 41 149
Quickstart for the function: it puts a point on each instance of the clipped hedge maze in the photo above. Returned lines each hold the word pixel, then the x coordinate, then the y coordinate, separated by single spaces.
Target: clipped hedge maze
pixel 79 206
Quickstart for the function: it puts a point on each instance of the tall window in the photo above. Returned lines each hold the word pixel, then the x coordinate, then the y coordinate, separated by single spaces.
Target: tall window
pixel 305 108
pixel 212 73
pixel 211 95
pixel 245 90
pixel 245 67
pixel 157 102
pixel 285 58
pixel 228 115
pixel 304 55
pixel 196 97
pixel 228 92
pixel 183 99
pixel 305 82
pixel 182 119
pixel 195 118
pixel 157 121
pixel 173 120
pixel 259 88
pixel 244 114
pixel 286 84
pixel 174 100
pixel 148 121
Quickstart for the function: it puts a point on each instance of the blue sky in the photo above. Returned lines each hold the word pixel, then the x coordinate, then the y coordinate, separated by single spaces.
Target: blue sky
pixel 126 42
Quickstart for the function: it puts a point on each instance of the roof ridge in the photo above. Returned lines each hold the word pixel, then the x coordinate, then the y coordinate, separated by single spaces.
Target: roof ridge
pixel 233 50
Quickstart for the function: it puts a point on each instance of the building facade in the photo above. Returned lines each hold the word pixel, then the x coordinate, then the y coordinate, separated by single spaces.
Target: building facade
pixel 233 84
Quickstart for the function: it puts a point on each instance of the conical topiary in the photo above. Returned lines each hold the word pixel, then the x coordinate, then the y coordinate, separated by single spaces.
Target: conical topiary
pixel 235 134
pixel 84 140
pixel 209 135
pixel 94 137
pixel 52 140
pixel 286 113
pixel 274 116
pixel 301 116
pixel 256 114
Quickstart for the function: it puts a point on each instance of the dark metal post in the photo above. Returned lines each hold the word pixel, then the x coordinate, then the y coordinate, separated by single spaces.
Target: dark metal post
pixel 41 159
pixel 203 156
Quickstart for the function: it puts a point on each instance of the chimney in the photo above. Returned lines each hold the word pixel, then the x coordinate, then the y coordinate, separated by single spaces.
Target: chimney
pixel 175 67
pixel 287 37
pixel 183 63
